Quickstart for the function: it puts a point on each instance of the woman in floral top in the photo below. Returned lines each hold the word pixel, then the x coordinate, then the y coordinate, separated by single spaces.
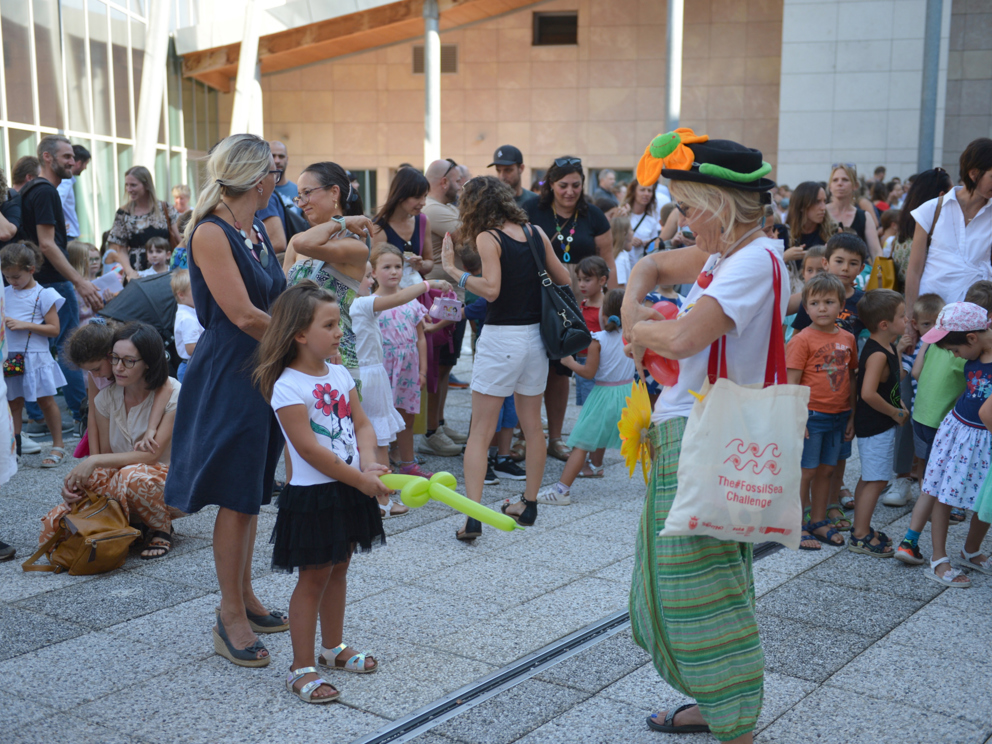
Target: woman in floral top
pixel 142 218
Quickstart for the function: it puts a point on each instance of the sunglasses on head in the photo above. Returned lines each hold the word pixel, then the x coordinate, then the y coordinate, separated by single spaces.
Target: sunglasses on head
pixel 450 167
pixel 852 166
pixel 563 162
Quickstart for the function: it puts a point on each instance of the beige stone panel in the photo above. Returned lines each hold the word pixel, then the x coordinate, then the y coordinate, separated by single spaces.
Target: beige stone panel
pixel 355 77
pixel 401 77
pixel 402 139
pixel 452 106
pixel 548 107
pixel 582 74
pixel 651 12
pixel 694 100
pixel 763 70
pixel 614 13
pixel 761 134
pixel 727 40
pixel 764 10
pixel 696 72
pixel 382 76
pixel 609 138
pixel 728 11
pixel 522 18
pixel 650 73
pixel 282 105
pixel 288 80
pixel 513 75
pixel 696 12
pixel 955 65
pixel 479 75
pixel 764 38
pixel 399 54
pixel 644 132
pixel 651 41
pixel 725 71
pixel 452 81
pixel 480 140
pixel 612 73
pixel 977 65
pixel 453 140
pixel 559 76
pixel 515 132
pixel 480 44
pixel 695 43
pixel 650 105
pixel 611 104
pixel 319 106
pixel 550 140
pixel 514 44
pixel 514 105
pixel 732 129
pixel 612 42
pixel 567 53
pixel 761 101
pixel 318 137
pixel 355 139
pixel 397 106
pixel 480 104
pixel 291 135
pixel 725 102
pixel 358 105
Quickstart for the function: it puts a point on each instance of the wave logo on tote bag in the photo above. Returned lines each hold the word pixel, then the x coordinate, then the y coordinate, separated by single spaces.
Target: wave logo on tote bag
pixel 757 451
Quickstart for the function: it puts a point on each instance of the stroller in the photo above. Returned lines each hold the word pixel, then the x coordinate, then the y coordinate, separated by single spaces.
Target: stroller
pixel 149 300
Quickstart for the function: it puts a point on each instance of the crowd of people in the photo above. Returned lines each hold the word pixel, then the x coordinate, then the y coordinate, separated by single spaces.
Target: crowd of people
pixel 305 326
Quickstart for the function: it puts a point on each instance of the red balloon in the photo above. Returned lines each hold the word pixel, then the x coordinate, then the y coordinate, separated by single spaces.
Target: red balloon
pixel 664 371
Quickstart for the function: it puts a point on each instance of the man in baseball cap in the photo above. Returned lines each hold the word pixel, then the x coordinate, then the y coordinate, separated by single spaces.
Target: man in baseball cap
pixel 958 318
pixel 509 162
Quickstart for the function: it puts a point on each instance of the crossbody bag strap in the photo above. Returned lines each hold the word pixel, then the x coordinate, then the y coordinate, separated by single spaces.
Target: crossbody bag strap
pixel 542 271
pixel 936 214
pixel 37 299
pixel 29 564
pixel 640 221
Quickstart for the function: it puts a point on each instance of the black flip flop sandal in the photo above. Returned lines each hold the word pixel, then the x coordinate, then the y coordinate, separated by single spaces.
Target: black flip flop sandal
pixel 157 535
pixel 473 529
pixel 669 727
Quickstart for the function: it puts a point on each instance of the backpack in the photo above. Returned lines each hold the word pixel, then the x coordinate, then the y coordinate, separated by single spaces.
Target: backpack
pixel 93 538
pixel 294 221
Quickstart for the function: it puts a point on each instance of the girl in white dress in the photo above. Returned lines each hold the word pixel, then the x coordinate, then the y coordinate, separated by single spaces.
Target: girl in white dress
pixel 32 319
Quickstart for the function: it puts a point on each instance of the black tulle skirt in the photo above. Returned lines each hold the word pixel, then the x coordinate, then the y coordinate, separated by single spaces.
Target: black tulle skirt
pixel 324 524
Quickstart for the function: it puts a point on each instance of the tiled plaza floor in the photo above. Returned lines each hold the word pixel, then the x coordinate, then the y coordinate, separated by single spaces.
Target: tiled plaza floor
pixel 857 649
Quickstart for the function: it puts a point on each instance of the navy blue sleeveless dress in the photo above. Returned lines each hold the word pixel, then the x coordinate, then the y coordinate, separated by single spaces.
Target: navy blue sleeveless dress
pixel 227 441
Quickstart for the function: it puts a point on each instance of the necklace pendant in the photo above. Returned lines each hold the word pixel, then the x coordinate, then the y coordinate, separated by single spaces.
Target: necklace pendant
pixel 248 244
pixel 705 279
pixel 566 258
pixel 264 260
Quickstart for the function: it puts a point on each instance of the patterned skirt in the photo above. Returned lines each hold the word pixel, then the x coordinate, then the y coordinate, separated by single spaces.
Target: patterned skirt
pixel 692 605
pixel 959 462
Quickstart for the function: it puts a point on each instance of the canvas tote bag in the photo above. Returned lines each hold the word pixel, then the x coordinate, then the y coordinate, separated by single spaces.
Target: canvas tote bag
pixel 739 470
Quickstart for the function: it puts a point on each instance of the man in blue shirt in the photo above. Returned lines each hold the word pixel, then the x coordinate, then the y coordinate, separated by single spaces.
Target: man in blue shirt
pixel 286 189
pixel 67 193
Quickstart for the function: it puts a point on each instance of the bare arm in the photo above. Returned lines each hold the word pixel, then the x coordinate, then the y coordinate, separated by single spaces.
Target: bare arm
pixel 920 360
pixel 211 252
pixel 422 353
pixel 296 421
pixel 408 294
pixel 321 242
pixel 123 258
pixel 148 442
pixel 604 247
pixel 871 234
pixel 92 428
pixel 795 376
pixel 7 229
pixel 276 233
pixel 914 272
pixel 686 336
pixel 678 266
pixel 985 413
pixel 50 328
pixel 876 366
pixel 588 370
pixel 556 269
pixel 795 302
pixel 488 284
pixel 426 249
pixel 46 242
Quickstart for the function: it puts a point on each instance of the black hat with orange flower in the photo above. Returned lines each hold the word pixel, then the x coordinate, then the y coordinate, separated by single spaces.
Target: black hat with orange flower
pixel 683 155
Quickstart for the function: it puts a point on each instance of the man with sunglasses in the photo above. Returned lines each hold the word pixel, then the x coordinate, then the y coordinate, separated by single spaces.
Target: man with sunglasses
pixel 509 162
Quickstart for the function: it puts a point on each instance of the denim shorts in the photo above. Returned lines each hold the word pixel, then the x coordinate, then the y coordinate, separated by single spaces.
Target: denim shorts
pixel 826 439
pixel 923 437
pixel 507 415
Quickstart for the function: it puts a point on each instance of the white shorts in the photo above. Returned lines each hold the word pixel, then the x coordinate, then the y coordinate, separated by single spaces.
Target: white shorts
pixel 877 454
pixel 510 359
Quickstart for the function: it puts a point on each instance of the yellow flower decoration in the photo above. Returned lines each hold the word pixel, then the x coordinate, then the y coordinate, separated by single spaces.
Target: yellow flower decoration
pixel 633 425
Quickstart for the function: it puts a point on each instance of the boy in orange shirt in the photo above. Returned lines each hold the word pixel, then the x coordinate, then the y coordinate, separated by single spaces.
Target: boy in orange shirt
pixel 825 359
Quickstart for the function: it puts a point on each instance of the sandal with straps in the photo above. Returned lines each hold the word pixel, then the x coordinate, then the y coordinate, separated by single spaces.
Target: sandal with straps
pixel 305 693
pixel 54 458
pixel 836 521
pixel 246 657
pixel 863 545
pixel 949 577
pixel 274 621
pixel 356 664
pixel 669 727
pixel 967 562
pixel 827 539
pixel 157 540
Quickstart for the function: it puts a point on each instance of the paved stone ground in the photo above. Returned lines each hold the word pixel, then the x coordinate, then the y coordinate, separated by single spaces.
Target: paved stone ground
pixel 857 649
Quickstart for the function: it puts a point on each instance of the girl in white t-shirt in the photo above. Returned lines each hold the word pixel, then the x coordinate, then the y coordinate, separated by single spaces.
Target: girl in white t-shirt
pixel 32 319
pixel 623 241
pixel 329 506
pixel 613 372
pixel 376 390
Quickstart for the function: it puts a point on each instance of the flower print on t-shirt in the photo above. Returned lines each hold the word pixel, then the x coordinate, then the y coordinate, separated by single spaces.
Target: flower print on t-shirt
pixel 334 405
pixel 978 384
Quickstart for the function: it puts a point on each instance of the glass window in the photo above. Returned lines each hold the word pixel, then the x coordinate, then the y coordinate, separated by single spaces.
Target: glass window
pixel 122 96
pixel 48 61
pixel 104 183
pixel 163 184
pixel 175 173
pixel 202 117
pixel 100 68
pixel 21 143
pixel 125 159
pixel 137 58
pixel 84 201
pixel 77 78
pixel 213 126
pixel 189 112
pixel 175 101
pixel 16 60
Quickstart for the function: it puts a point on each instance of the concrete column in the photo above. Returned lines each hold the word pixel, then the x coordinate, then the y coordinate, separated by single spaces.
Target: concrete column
pixel 152 90
pixel 931 77
pixel 673 89
pixel 432 82
pixel 246 113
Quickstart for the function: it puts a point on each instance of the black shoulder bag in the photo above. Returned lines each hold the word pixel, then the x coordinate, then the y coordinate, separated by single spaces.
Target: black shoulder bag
pixel 563 328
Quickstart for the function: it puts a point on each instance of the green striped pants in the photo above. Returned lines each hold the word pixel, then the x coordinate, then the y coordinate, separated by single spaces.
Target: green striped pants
pixel 692 605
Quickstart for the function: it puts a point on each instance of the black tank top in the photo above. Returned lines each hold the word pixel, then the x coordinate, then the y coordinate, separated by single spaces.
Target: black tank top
pixel 519 301
pixel 857 225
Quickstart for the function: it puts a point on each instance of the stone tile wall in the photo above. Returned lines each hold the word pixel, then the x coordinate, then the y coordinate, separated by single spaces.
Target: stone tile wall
pixel 969 79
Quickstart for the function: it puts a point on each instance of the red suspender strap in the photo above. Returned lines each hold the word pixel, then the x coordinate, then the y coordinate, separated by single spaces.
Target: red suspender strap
pixel 775 370
pixel 718 359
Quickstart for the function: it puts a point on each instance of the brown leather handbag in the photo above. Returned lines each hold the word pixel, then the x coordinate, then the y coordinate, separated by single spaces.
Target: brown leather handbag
pixel 93 538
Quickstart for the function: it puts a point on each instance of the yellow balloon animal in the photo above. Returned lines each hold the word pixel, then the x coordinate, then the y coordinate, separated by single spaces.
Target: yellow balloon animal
pixel 416 491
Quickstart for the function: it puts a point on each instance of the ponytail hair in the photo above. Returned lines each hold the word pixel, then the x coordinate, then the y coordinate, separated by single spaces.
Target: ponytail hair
pixel 330 174
pixel 234 166
pixel 612 306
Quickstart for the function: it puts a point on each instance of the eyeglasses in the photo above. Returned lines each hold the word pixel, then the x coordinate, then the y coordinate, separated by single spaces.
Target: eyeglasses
pixel 563 162
pixel 678 206
pixel 304 195
pixel 128 362
pixel 278 174
pixel 852 166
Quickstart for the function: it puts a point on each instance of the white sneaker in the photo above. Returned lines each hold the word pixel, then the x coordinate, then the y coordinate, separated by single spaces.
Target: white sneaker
pixel 439 444
pixel 550 495
pixel 29 446
pixel 897 492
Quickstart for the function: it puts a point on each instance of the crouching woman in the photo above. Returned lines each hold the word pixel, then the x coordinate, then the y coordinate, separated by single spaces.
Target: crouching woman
pixel 133 478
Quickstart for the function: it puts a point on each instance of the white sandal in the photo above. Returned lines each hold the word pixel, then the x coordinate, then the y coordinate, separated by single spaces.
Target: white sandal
pixel 329 660
pixel 56 455
pixel 985 566
pixel 387 510
pixel 949 576
pixel 305 693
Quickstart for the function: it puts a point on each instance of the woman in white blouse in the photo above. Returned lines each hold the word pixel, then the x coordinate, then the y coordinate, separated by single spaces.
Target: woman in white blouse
pixel 961 245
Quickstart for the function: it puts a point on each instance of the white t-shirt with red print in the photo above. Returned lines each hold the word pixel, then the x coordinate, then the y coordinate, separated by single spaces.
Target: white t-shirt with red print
pixel 327 402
